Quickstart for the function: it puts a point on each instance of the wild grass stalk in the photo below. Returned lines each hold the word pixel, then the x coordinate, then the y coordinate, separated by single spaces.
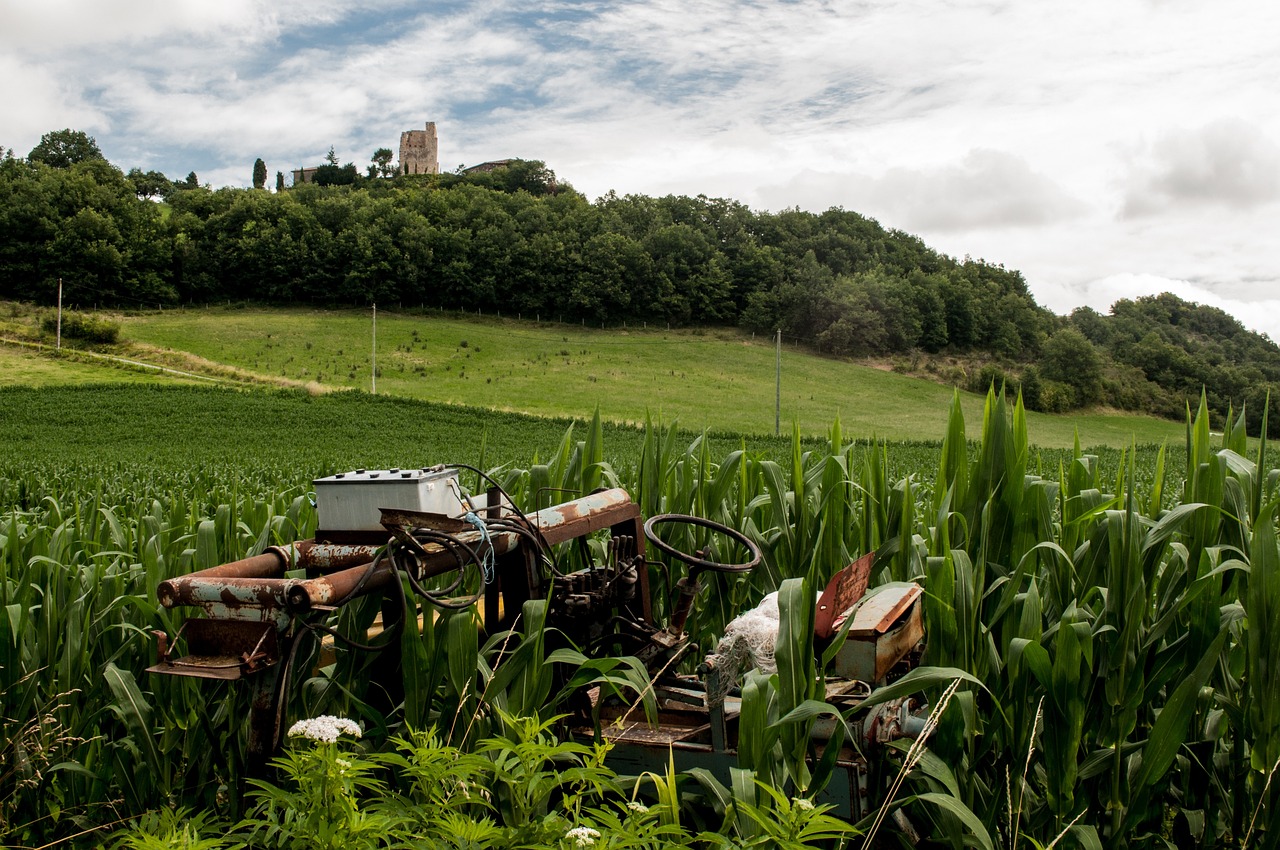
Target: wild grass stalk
pixel 914 754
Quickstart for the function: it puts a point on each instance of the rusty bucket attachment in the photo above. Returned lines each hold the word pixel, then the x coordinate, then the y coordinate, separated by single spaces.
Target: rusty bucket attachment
pixel 221 649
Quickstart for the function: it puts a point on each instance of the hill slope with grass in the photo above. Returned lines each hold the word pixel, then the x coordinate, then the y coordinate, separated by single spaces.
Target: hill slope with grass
pixel 717 379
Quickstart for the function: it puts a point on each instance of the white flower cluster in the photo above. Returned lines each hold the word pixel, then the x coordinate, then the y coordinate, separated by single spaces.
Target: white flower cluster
pixel 583 836
pixel 324 729
pixel 802 804
pixel 637 807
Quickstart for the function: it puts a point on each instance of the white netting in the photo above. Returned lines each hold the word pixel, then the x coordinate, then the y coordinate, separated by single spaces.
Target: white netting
pixel 752 634
pixel 749 641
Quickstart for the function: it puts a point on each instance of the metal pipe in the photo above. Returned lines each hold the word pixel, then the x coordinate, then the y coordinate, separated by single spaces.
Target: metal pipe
pixel 264 570
pixel 259 582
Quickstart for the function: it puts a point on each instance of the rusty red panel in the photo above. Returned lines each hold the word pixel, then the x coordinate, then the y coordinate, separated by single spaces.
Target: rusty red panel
pixel 885 628
pixel 224 649
pixel 256 587
pixel 233 593
pixel 583 516
pixel 879 613
pixel 310 555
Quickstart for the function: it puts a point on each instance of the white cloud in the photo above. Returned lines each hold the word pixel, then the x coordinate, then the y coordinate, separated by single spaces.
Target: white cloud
pixel 1227 162
pixel 55 25
pixel 35 101
pixel 985 189
pixel 1261 315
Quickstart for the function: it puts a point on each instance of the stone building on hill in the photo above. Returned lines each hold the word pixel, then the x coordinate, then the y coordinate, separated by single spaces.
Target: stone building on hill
pixel 419 154
pixel 420 151
pixel 488 167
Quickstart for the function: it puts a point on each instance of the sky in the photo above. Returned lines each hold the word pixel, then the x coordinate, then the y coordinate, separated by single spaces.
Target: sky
pixel 1106 148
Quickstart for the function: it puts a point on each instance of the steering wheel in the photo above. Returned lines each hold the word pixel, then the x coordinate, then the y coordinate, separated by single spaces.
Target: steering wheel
pixel 693 560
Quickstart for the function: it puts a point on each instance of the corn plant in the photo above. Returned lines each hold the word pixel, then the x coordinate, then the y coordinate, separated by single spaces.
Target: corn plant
pixel 1108 615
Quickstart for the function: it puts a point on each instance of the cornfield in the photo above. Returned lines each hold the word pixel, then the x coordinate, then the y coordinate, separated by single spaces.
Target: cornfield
pixel 1099 626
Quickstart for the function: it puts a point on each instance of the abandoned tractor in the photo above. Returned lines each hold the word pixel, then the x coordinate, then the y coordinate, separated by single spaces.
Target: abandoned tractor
pixel 392 531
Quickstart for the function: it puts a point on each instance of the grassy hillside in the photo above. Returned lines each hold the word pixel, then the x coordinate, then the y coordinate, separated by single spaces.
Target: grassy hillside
pixel 719 379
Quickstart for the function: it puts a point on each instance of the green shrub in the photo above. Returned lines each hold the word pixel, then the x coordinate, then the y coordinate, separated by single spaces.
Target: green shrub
pixel 990 375
pixel 1031 388
pixel 83 327
pixel 955 376
pixel 1056 397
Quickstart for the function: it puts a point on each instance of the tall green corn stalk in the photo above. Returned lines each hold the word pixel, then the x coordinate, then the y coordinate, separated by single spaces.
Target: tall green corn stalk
pixel 86 736
pixel 1142 627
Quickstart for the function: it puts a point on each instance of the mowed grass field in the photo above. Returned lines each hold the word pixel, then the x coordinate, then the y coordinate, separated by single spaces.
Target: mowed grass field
pixel 33 368
pixel 717 379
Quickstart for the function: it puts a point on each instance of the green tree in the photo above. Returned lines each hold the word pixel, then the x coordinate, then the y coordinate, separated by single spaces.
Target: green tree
pixel 85 224
pixel 192 182
pixel 279 181
pixel 259 174
pixel 1030 387
pixel 381 165
pixel 614 266
pixel 149 184
pixel 531 175
pixel 1070 358
pixel 64 148
pixel 1092 324
pixel 330 174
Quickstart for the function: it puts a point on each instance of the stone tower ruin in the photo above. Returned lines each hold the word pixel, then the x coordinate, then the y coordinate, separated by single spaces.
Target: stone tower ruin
pixel 420 151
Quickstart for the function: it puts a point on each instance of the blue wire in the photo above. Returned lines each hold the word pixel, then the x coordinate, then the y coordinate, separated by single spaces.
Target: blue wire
pixel 486 563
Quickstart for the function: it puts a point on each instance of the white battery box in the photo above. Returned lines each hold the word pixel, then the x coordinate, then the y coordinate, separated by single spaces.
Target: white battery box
pixel 351 501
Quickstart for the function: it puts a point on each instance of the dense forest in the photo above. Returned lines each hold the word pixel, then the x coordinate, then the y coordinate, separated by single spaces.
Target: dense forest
pixel 516 240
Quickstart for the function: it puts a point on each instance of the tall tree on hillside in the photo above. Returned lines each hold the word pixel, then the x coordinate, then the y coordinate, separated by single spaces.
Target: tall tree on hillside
pixel 149 184
pixel 1071 359
pixel 192 182
pixel 279 181
pixel 381 165
pixel 64 148
pixel 259 174
pixel 336 175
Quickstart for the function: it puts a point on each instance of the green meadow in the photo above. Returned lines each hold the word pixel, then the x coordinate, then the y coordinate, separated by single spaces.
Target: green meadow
pixel 718 379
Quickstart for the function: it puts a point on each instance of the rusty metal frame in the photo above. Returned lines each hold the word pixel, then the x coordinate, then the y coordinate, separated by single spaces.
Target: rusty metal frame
pixel 250 604
pixel 251 607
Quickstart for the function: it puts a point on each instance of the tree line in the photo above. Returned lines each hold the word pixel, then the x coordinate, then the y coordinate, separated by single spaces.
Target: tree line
pixel 517 240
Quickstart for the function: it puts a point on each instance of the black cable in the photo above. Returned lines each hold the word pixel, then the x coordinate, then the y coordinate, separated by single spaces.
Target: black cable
pixel 543 546
pixel 503 493
pixel 533 539
pixel 448 543
pixel 451 544
pixel 392 632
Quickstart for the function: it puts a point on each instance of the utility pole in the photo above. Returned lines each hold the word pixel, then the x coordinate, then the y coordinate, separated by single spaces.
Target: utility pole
pixel 777 395
pixel 59 314
pixel 374 377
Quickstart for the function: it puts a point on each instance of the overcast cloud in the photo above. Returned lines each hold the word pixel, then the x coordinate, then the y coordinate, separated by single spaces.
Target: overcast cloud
pixel 1107 148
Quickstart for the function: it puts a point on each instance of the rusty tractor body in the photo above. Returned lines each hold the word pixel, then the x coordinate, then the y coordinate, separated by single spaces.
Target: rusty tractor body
pixel 381 530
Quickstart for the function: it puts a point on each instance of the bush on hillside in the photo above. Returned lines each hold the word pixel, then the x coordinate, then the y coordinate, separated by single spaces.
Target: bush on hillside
pixel 82 327
pixel 1031 388
pixel 1057 397
pixel 987 377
